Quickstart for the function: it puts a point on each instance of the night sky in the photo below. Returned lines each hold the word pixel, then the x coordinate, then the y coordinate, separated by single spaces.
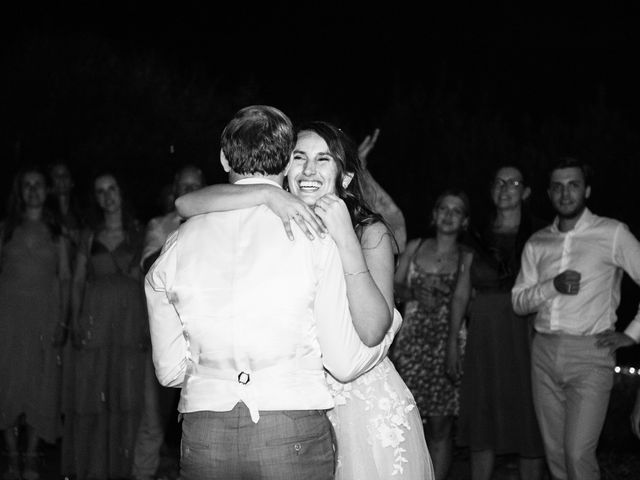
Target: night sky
pixel 455 89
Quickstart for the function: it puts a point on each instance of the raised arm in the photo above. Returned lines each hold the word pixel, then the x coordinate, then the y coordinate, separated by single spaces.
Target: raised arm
pixel 379 198
pixel 384 204
pixel 368 269
pixel 227 196
pixel 367 145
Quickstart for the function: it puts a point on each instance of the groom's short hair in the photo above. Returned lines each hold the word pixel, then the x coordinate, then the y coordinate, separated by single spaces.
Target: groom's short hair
pixel 258 139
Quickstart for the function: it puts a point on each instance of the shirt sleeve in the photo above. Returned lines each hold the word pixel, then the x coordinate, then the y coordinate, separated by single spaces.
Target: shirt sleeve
pixel 170 348
pixel 529 293
pixel 343 353
pixel 626 255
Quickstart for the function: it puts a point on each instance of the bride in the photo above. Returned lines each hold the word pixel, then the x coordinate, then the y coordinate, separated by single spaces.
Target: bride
pixel 378 428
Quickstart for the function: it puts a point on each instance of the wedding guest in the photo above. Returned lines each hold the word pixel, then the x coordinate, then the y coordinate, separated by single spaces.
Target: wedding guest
pixel 65 204
pixel 378 198
pixel 188 179
pixel 110 335
pixel 570 276
pixel 34 287
pixel 433 279
pixel 496 387
pixel 151 431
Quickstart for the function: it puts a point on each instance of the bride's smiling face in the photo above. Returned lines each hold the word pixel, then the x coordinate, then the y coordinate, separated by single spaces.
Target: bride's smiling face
pixel 313 170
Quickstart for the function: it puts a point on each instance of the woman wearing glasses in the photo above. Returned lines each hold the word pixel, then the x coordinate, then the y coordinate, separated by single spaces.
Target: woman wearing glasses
pixel 496 411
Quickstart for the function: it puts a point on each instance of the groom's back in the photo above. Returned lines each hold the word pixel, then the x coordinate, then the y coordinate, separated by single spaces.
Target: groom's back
pixel 241 267
pixel 245 294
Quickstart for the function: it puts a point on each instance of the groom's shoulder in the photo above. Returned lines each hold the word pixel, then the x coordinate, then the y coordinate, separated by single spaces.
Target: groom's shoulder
pixel 245 223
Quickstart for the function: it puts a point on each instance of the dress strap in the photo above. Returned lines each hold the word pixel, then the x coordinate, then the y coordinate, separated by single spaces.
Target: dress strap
pixel 412 263
pixel 415 252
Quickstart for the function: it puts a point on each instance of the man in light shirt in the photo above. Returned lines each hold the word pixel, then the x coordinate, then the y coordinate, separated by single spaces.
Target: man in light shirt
pixel 570 275
pixel 188 179
pixel 151 431
pixel 245 320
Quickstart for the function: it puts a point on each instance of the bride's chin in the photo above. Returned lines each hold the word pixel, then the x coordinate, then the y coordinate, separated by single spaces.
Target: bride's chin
pixel 307 198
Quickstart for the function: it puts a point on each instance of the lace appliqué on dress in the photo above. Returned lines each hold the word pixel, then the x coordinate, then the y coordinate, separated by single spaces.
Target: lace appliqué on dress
pixel 385 408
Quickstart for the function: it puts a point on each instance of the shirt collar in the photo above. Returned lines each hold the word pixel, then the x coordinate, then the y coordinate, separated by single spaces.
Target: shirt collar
pixel 583 222
pixel 256 180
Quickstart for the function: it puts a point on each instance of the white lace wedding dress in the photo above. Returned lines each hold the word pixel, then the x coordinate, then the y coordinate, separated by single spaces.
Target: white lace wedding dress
pixel 378 428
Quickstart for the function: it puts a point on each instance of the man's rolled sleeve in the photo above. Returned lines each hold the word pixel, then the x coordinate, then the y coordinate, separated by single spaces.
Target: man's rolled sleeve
pixel 343 353
pixel 529 293
pixel 170 349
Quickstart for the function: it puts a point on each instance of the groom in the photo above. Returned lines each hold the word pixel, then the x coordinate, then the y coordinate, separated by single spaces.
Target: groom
pixel 244 320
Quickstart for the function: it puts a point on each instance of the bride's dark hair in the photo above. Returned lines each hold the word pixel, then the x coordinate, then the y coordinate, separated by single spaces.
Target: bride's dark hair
pixel 345 153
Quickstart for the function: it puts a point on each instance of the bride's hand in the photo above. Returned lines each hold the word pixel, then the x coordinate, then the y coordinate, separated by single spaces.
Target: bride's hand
pixel 288 207
pixel 334 214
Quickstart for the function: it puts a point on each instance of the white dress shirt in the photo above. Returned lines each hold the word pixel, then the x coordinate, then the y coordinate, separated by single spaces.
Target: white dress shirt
pixel 238 312
pixel 599 249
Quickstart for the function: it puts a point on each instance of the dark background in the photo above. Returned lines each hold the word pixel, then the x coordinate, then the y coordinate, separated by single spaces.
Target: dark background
pixel 455 89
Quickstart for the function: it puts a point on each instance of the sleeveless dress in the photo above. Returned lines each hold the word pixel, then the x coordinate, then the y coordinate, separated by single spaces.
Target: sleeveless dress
pixel 379 434
pixel 496 400
pixel 29 314
pixel 419 352
pixel 102 415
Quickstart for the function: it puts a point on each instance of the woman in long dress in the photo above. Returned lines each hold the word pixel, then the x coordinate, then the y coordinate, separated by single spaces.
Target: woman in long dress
pixel 34 282
pixel 109 327
pixel 378 428
pixel 433 280
pixel 497 415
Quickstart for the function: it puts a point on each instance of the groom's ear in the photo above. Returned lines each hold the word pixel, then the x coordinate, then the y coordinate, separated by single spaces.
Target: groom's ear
pixel 224 162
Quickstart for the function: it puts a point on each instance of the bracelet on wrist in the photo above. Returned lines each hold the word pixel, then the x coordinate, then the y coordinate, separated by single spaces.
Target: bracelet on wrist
pixel 348 274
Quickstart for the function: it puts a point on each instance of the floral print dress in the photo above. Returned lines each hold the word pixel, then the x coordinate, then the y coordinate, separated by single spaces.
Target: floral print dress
pixel 421 344
pixel 379 432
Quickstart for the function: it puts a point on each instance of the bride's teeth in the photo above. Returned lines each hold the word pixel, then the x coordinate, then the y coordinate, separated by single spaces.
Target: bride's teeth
pixel 310 184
